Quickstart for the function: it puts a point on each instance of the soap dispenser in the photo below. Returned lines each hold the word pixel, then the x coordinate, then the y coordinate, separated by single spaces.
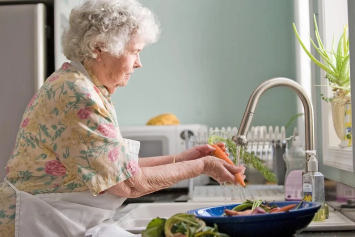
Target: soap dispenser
pixel 295 164
pixel 313 186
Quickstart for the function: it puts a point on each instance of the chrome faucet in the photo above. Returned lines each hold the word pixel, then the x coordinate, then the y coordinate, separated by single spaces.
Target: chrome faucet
pixel 241 140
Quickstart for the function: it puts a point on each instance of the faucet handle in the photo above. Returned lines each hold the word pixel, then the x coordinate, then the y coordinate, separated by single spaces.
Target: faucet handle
pixel 240 140
pixel 311 152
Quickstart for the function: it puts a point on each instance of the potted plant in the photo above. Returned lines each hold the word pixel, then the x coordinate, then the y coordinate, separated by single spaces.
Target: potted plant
pixel 337 68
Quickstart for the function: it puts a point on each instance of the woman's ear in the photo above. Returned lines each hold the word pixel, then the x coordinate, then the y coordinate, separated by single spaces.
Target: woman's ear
pixel 98 53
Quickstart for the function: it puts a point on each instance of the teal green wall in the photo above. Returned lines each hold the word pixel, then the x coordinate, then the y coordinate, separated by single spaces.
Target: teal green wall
pixel 210 57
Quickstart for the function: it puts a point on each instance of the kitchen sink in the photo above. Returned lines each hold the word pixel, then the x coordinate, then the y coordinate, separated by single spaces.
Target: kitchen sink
pixel 135 217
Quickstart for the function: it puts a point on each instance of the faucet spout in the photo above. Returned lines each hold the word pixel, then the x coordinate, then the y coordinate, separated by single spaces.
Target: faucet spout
pixel 240 138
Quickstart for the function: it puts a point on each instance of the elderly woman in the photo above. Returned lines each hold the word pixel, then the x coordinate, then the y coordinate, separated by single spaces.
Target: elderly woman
pixel 70 167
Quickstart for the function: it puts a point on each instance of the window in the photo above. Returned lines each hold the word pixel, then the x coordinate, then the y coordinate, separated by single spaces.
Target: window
pixel 332 16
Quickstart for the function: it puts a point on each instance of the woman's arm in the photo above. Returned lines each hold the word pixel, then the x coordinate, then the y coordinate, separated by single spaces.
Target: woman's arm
pixel 151 179
pixel 190 154
pixel 155 161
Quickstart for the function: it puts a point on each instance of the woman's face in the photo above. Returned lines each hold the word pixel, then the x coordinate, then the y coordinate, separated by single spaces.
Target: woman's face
pixel 115 71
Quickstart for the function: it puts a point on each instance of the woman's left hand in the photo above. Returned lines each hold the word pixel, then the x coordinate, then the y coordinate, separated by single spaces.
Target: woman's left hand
pixel 198 152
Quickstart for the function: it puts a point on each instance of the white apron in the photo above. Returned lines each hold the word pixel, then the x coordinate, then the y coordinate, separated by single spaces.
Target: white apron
pixel 75 214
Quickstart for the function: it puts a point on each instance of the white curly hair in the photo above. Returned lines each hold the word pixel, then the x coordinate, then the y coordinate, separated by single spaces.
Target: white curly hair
pixel 107 25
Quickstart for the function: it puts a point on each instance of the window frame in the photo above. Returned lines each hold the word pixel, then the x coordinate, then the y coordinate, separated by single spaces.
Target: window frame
pixel 333 156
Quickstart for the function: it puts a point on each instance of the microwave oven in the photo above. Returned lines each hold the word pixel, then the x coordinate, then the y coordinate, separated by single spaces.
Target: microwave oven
pixel 161 140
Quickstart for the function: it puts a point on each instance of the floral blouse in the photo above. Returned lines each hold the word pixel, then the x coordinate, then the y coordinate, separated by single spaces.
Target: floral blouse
pixel 68 141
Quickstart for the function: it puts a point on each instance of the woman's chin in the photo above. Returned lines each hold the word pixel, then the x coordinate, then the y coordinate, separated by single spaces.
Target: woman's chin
pixel 123 83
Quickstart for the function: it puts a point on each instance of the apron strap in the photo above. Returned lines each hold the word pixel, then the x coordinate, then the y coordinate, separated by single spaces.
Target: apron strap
pixel 11 185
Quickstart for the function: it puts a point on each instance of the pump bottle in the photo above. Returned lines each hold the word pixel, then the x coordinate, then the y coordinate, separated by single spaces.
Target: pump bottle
pixel 295 164
pixel 313 186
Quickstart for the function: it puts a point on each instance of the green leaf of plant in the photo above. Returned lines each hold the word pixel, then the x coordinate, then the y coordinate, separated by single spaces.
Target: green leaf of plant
pixel 344 70
pixel 331 78
pixel 324 67
pixel 324 55
pixel 291 119
pixel 325 98
pixel 320 43
pixel 340 53
pixel 344 41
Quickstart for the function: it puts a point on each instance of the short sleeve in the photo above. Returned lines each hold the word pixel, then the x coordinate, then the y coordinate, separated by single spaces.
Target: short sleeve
pixel 87 140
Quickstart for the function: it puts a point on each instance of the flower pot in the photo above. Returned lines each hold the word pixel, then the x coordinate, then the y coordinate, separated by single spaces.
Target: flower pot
pixel 341 114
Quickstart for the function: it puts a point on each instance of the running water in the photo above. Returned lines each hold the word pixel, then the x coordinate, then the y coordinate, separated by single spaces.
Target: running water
pixel 232 188
pixel 224 191
pixel 242 192
pixel 239 162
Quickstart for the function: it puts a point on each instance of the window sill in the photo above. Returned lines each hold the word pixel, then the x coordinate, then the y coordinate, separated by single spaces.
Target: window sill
pixel 338 158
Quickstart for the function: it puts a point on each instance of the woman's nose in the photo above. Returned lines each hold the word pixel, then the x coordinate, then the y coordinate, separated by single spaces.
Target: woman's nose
pixel 137 63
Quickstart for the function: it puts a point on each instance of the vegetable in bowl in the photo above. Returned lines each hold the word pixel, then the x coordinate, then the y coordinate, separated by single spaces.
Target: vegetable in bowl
pixel 284 223
pixel 258 207
pixel 180 225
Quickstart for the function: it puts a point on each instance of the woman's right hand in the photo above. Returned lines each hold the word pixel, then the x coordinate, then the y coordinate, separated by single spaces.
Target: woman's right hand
pixel 221 171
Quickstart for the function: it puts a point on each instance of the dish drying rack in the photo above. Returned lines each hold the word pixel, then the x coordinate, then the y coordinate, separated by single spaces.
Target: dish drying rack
pixel 268 143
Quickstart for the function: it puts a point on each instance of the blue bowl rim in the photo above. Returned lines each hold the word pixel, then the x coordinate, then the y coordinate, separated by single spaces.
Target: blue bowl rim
pixel 299 213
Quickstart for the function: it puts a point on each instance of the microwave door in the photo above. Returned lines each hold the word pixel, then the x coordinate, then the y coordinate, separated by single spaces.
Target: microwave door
pixel 153 146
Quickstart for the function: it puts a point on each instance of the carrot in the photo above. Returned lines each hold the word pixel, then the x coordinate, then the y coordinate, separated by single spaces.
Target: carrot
pixel 231 212
pixel 274 209
pixel 221 155
pixel 284 208
pixel 237 213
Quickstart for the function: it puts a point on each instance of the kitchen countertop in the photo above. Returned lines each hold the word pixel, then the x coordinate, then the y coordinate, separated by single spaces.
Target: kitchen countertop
pixel 119 214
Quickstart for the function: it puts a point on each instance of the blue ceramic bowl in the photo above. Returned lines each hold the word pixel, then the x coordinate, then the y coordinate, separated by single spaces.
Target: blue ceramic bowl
pixel 275 224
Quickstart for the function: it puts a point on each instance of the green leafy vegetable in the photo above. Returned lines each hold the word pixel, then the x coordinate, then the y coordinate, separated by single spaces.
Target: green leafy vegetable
pixel 155 228
pixel 299 205
pixel 246 157
pixel 256 204
pixel 249 204
pixel 243 206
pixel 180 225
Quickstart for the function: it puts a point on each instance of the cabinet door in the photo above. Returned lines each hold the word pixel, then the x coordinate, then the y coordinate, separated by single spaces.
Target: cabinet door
pixel 22 68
